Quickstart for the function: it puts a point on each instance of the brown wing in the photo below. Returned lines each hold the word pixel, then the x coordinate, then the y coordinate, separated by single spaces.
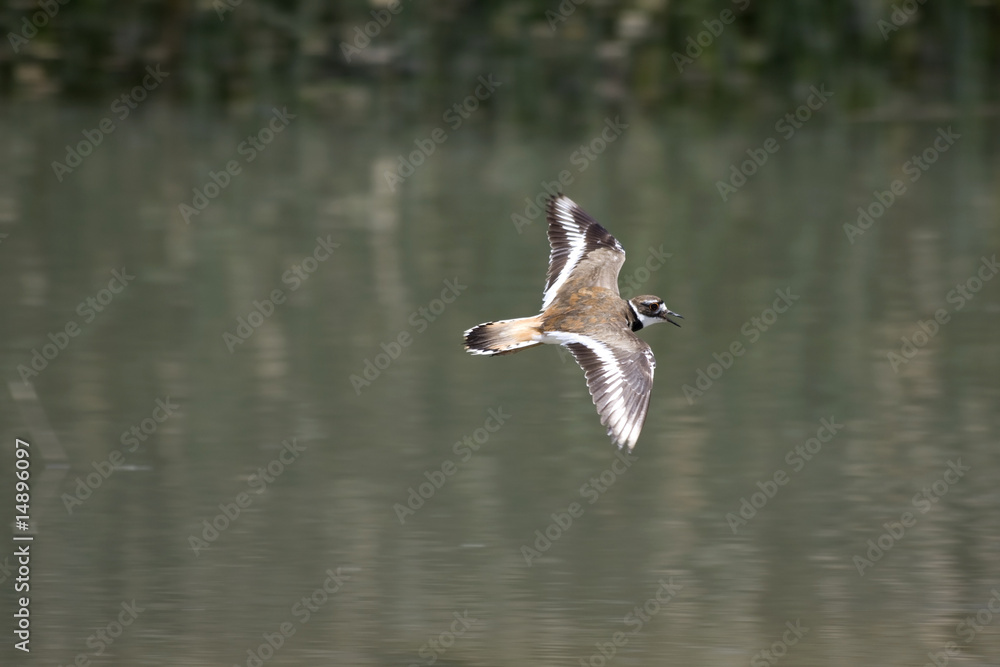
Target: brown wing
pixel 583 253
pixel 620 379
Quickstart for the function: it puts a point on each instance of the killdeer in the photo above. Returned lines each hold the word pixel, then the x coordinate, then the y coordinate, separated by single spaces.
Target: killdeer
pixel 581 309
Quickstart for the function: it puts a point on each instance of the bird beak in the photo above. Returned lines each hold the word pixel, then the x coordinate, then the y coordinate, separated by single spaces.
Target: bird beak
pixel 664 312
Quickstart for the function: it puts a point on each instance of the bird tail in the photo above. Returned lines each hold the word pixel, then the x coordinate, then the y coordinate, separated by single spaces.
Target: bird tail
pixel 504 336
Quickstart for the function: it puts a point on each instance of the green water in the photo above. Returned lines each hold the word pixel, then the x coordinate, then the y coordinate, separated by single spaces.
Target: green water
pixel 402 518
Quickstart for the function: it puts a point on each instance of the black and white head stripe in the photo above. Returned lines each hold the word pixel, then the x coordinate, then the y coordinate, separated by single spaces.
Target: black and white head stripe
pixel 572 235
pixel 619 378
pixel 642 319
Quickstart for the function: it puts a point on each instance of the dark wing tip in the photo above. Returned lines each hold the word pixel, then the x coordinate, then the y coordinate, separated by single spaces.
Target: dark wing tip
pixel 596 235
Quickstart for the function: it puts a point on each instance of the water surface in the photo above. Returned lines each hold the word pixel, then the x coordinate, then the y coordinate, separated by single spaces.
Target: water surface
pixel 398 520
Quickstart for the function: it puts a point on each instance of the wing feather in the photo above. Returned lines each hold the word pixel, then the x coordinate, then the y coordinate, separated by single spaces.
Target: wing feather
pixel 579 245
pixel 620 379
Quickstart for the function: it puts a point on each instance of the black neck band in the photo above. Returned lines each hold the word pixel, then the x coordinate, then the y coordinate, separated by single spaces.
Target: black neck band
pixel 633 318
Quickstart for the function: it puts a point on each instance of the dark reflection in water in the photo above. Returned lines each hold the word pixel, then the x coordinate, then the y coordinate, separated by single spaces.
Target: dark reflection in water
pixel 340 484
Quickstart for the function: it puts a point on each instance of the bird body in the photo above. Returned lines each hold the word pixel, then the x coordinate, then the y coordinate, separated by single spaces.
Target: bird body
pixel 582 310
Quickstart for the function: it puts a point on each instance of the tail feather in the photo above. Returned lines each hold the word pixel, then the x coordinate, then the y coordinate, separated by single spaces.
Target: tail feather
pixel 503 337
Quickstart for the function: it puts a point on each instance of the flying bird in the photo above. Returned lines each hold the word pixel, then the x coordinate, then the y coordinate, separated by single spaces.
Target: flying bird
pixel 582 310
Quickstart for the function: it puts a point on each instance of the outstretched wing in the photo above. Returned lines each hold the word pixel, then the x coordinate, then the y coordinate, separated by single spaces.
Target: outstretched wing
pixel 620 379
pixel 582 252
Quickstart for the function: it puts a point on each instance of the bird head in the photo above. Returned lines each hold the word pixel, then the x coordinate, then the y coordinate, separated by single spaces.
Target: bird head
pixel 651 310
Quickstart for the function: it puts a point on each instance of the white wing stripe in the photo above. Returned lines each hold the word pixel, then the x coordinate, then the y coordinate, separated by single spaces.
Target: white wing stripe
pixel 613 403
pixel 603 352
pixel 578 243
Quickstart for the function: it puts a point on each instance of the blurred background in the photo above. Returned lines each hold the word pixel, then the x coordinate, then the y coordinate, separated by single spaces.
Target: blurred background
pixel 239 244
